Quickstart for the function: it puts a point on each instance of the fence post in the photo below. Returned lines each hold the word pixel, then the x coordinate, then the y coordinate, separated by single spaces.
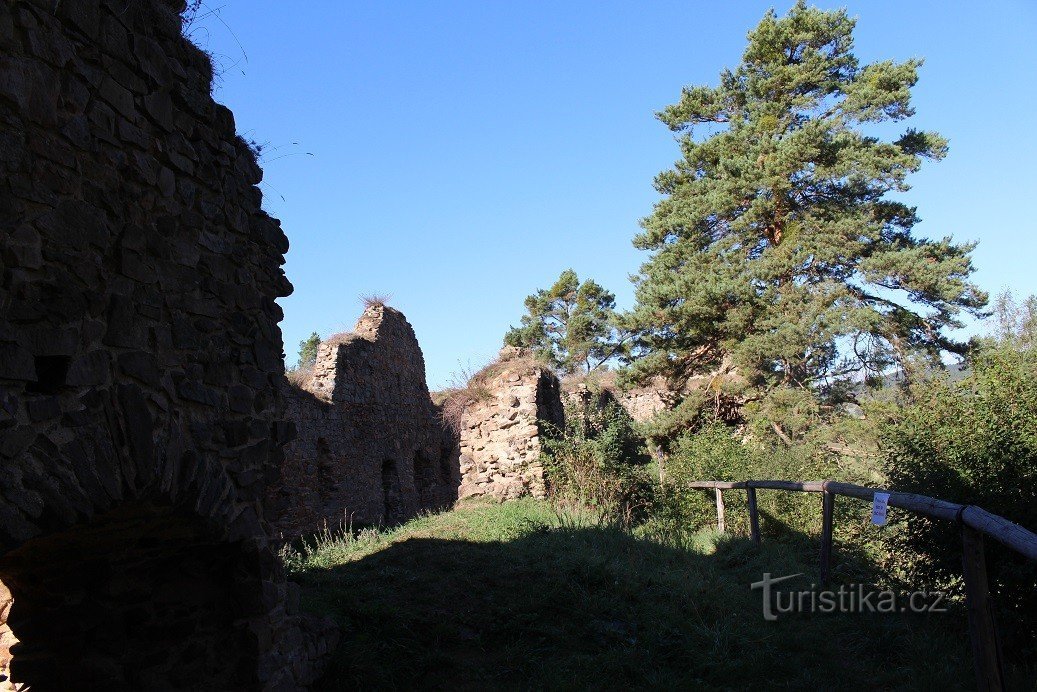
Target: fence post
pixel 827 508
pixel 986 649
pixel 720 510
pixel 754 516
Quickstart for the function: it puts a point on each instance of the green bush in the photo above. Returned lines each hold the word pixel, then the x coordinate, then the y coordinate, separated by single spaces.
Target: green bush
pixel 717 452
pixel 973 441
pixel 600 459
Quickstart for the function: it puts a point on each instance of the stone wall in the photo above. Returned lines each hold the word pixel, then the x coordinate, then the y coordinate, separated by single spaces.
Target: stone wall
pixel 140 361
pixel 370 446
pixel 514 402
pixel 643 403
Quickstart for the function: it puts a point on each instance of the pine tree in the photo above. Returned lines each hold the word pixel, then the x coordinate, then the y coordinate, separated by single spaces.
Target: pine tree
pixel 308 350
pixel 778 252
pixel 572 325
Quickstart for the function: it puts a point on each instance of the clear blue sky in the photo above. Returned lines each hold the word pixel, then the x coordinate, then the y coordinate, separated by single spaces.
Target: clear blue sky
pixel 466 153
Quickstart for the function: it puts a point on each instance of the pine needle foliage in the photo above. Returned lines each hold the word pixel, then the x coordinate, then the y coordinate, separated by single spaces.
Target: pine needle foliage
pixel 782 247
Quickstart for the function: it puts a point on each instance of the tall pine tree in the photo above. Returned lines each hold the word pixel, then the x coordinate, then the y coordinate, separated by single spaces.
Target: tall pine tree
pixel 572 325
pixel 308 350
pixel 779 253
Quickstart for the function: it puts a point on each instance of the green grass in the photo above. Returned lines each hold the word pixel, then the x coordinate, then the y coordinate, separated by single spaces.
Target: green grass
pixel 519 596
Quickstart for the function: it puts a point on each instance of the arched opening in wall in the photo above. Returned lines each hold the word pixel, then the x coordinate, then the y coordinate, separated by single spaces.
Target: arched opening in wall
pixel 392 496
pixel 325 472
pixel 142 597
pixel 435 478
pixel 424 476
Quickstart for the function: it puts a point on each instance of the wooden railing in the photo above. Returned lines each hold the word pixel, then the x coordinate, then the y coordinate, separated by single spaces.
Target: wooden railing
pixel 975 524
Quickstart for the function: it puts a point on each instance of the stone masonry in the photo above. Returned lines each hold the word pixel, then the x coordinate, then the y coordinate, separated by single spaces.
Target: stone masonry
pixel 500 431
pixel 140 366
pixel 370 447
pixel 643 403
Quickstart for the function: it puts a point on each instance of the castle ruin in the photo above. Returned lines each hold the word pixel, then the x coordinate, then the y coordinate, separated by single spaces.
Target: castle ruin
pixel 140 361
pixel 370 447
pixel 146 425
pixel 500 431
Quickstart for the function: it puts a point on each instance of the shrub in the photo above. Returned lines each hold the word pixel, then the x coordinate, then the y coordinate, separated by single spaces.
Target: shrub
pixel 375 301
pixel 469 386
pixel 599 459
pixel 973 441
pixel 718 452
pixel 299 376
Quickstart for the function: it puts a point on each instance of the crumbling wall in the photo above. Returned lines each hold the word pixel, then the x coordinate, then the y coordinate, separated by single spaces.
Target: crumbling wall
pixel 643 403
pixel 369 445
pixel 646 402
pixel 500 431
pixel 139 365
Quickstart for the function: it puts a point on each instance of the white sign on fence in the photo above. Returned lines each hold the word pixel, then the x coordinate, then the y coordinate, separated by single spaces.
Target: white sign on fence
pixel 878 509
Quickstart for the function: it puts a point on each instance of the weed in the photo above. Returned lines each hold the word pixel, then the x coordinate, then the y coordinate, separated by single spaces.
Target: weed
pixel 375 301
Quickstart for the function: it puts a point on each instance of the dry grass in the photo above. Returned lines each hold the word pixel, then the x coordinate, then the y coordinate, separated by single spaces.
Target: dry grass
pixel 375 301
pixel 340 338
pixel 469 386
pixel 596 381
pixel 452 405
pixel 524 364
pixel 482 377
pixel 299 376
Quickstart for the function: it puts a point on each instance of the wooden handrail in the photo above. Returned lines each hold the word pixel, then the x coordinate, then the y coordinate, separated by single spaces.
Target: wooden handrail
pixel 1019 539
pixel 976 522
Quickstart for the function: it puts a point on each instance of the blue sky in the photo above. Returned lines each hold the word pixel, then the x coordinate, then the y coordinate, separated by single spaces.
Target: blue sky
pixel 465 153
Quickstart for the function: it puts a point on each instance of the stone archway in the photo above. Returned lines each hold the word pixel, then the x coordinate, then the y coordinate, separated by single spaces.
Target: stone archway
pixel 392 494
pixel 143 596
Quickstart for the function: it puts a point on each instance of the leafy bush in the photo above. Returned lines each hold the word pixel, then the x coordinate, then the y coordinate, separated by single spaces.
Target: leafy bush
pixel 973 441
pixel 599 459
pixel 717 452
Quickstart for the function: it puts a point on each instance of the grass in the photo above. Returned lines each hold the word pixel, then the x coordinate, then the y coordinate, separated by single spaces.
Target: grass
pixel 521 596
pixel 375 301
pixel 299 376
pixel 469 386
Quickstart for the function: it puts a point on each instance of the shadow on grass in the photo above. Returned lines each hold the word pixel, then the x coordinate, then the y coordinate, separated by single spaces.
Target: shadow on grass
pixel 595 608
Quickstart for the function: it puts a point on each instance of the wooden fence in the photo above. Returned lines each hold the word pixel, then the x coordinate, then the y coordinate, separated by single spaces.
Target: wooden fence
pixel 975 524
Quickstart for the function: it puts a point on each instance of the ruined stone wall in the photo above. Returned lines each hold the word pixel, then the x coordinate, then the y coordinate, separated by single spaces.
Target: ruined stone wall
pixel 369 445
pixel 500 431
pixel 139 365
pixel 643 403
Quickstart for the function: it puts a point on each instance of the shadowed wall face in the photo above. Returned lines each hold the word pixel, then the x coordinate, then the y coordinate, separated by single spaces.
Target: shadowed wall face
pixel 370 446
pixel 139 361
